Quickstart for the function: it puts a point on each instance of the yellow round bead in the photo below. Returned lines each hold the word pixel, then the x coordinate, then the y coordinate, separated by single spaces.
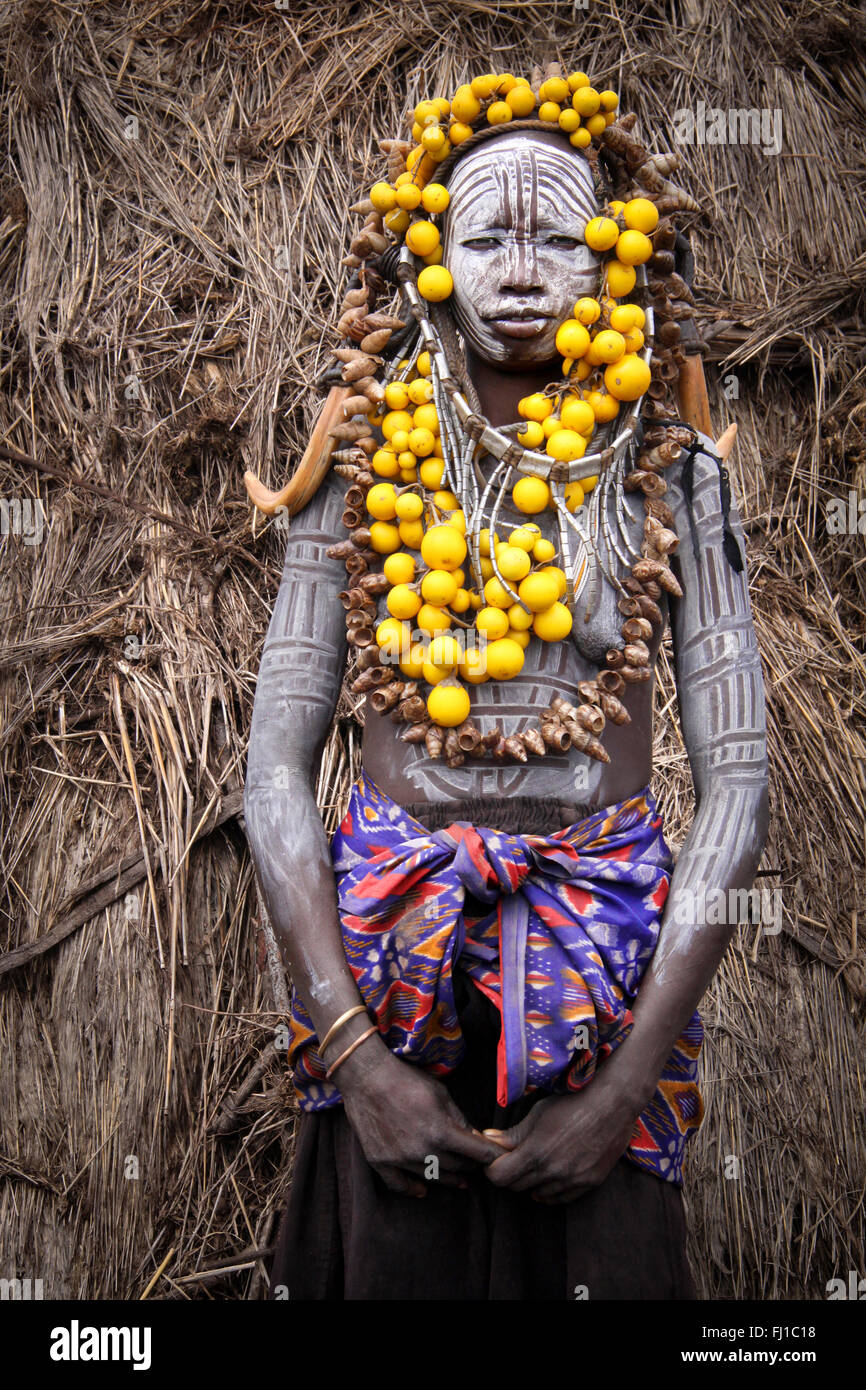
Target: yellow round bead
pixel 505 658
pixel 448 704
pixel 586 101
pixel 521 100
pixel 435 283
pixel 627 379
pixel 381 501
pixel 403 602
pixel 408 197
pixel 422 238
pixel 399 568
pixel 572 339
pixel 620 278
pixel 566 445
pixel 530 495
pixel 492 621
pixel 633 248
pixel 443 548
pixel 601 233
pixel 532 436
pixel 384 462
pixel 538 591
pixel 439 587
pixel 431 618
pixel 553 623
pixel 435 198
pixel 383 196
pixel 609 345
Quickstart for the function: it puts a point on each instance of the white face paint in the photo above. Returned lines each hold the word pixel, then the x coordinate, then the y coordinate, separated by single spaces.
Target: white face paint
pixel 514 245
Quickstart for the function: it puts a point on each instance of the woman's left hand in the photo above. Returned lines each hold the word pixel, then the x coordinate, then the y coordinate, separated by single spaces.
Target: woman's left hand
pixel 566 1145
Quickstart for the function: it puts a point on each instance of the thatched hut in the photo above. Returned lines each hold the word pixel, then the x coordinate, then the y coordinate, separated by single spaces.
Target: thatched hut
pixel 171 226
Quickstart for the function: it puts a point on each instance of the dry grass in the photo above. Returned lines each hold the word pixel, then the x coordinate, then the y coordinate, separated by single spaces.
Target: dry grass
pixel 167 301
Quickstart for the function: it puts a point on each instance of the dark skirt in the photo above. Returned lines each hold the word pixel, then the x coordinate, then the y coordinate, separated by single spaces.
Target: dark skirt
pixel 344 1235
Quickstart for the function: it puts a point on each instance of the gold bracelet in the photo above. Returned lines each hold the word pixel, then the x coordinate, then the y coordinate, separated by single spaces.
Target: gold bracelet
pixel 335 1027
pixel 349 1050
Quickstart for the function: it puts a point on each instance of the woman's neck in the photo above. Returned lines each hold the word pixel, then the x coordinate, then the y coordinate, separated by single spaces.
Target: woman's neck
pixel 499 392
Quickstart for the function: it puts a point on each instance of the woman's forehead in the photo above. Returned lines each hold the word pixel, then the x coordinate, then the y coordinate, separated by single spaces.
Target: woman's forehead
pixel 522 183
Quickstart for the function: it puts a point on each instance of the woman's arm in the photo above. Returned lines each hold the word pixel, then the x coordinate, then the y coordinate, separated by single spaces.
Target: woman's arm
pixel 721 698
pixel 400 1115
pixel 568 1144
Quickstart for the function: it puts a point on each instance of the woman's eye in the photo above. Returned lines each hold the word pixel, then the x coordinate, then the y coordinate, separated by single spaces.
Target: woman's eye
pixel 568 243
pixel 481 243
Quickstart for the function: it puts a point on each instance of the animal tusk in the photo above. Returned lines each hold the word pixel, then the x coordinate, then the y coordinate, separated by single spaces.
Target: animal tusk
pixel 726 441
pixel 312 468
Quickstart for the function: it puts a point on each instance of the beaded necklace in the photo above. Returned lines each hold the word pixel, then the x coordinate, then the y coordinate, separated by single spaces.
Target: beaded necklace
pixel 463 601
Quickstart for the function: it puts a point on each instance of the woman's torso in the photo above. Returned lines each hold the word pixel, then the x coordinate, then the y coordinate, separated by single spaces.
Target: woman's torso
pixel 571 780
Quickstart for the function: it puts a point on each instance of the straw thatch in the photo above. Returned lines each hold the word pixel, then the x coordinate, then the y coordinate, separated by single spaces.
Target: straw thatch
pixel 171 224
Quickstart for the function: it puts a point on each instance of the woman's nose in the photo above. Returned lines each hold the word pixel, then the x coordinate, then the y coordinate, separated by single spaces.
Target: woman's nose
pixel 519 272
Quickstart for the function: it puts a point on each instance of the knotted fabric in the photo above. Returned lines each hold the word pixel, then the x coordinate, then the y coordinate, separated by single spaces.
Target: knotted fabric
pixel 556 930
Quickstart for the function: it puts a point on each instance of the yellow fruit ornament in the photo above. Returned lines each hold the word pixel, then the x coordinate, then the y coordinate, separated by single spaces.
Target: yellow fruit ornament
pixel 443 548
pixel 448 703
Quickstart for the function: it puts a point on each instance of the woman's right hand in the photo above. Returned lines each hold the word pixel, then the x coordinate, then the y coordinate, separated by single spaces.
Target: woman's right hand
pixel 411 1131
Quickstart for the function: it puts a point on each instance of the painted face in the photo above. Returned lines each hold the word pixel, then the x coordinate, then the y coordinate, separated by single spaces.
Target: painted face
pixel 514 245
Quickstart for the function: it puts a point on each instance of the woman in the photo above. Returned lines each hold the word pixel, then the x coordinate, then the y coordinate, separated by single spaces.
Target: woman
pixel 479 1145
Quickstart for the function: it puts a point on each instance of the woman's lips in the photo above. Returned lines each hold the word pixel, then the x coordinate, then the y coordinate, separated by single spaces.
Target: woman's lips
pixel 520 327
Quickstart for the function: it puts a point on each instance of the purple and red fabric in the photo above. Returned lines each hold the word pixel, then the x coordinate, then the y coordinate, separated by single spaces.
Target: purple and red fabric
pixel 556 930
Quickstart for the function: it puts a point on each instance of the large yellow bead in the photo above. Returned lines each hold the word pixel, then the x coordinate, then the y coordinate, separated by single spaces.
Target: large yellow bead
pixel 620 278
pixel 385 463
pixel 628 378
pixel 431 472
pixel 402 602
pixel 435 198
pixel 601 233
pixel 577 414
pixel 539 591
pixel 633 248
pixel 395 421
pixel 572 339
pixel 422 238
pixel 496 594
pixel 399 568
pixel 411 533
pixel 382 196
pixel 521 100
pixel 384 538
pixel 435 283
pixel 445 650
pixel 641 215
pixel 465 105
pixel 430 618
pixel 448 704
pixel 492 621
pixel 530 495
pixel 553 623
pixel 392 638
pixel 566 445
pixel 514 563
pixel 382 501
pixel 443 548
pixel 532 436
pixel 473 667
pixel 518 618
pixel 439 587
pixel 505 658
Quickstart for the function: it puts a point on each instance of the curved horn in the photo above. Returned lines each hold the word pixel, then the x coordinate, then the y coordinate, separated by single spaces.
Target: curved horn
pixel 312 468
